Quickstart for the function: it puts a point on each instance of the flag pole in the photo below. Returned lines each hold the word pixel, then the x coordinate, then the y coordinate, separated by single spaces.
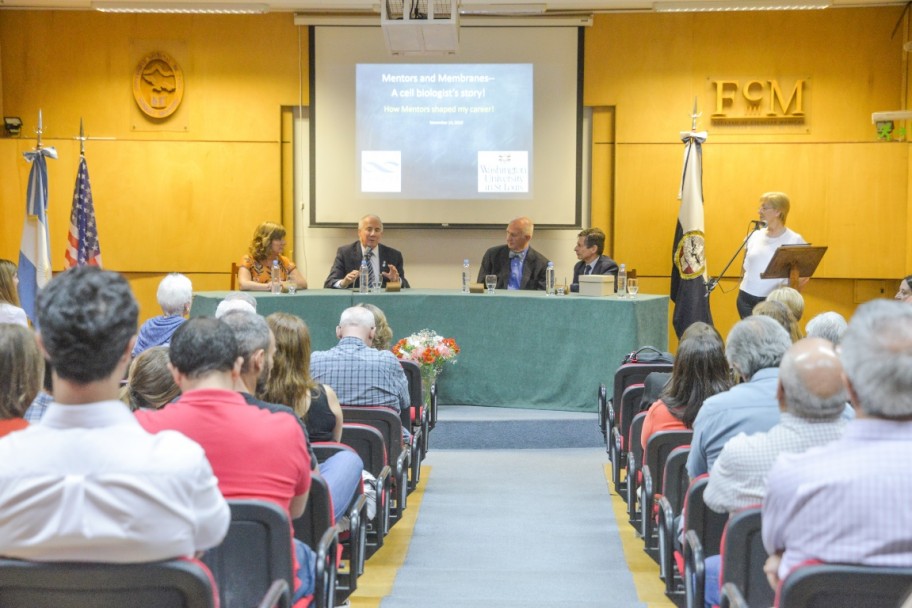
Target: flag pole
pixel 39 131
pixel 82 139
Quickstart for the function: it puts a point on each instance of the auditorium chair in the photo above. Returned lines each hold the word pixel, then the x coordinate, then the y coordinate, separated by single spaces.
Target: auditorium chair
pixel 318 518
pixel 658 448
pixel 702 537
pixel 818 585
pixel 624 376
pixel 628 405
pixel 416 419
pixel 389 424
pixel 369 444
pixel 234 276
pixel 634 463
pixel 743 557
pixel 177 583
pixel 671 504
pixel 255 557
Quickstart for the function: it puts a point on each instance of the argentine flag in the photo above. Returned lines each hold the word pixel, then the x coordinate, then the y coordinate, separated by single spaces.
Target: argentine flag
pixel 35 251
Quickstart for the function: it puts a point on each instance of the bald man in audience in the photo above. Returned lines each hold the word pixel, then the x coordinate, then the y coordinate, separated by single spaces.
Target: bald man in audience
pixel 516 264
pixel 847 501
pixel 254 453
pixel 87 483
pixel 811 398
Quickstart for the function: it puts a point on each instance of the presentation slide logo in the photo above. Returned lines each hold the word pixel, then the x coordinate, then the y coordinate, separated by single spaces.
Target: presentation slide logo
pixel 503 171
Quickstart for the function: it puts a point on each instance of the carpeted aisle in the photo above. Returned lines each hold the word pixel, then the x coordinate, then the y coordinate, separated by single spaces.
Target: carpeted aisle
pixel 514 511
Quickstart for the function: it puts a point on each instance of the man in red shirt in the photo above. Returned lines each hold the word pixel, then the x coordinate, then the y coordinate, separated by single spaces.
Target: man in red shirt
pixel 254 453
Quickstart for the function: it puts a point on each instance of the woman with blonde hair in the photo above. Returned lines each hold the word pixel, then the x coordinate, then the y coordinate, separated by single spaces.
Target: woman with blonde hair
pixel 21 375
pixel 266 247
pixel 150 384
pixel 383 333
pixel 290 384
pixel 781 313
pixel 10 311
pixel 761 246
pixel 791 298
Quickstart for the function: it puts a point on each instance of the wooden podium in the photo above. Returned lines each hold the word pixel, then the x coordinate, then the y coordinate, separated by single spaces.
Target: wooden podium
pixel 792 262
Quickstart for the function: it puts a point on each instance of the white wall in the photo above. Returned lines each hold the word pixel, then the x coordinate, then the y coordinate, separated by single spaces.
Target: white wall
pixel 433 257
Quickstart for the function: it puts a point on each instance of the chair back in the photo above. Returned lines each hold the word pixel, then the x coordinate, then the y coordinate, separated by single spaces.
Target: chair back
pixel 634 466
pixel 743 557
pixel 413 374
pixel 629 408
pixel 179 583
pixel 707 524
pixel 256 551
pixel 675 480
pixel 658 450
pixel 844 586
pixel 635 373
pixel 318 515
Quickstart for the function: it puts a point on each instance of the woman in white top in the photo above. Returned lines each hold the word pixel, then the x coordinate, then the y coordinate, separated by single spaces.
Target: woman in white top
pixel 774 208
pixel 10 312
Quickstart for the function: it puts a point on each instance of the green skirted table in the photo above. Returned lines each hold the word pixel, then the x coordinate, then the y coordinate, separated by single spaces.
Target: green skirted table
pixel 519 349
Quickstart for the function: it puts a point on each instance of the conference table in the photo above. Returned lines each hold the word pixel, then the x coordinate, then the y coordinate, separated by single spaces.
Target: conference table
pixel 519 349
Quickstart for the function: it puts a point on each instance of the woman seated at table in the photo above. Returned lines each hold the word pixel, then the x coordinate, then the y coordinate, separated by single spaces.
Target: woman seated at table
pixel 255 269
pixel 700 371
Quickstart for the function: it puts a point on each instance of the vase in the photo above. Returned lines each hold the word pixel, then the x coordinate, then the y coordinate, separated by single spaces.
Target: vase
pixel 428 378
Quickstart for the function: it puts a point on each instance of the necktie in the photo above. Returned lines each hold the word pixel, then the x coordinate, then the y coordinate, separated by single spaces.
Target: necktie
pixel 371 280
pixel 588 269
pixel 516 269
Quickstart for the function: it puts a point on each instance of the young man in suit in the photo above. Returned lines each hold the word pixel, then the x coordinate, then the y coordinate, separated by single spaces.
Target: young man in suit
pixel 590 243
pixel 516 265
pixel 386 263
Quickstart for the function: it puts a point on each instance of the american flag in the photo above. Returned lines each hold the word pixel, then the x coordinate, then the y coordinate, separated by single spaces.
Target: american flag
pixel 82 246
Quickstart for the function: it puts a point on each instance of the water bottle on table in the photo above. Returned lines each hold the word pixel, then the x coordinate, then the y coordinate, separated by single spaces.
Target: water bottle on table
pixel 549 279
pixel 364 277
pixel 622 282
pixel 465 276
pixel 275 278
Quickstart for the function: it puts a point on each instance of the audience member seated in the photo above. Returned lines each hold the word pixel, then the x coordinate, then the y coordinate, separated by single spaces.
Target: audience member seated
pixel 811 400
pixel 254 453
pixel 21 374
pixel 88 483
pixel 236 300
pixel 315 404
pixel 175 294
pixel 782 315
pixel 590 244
pixel 699 372
pixel 10 311
pixel 360 375
pixel 792 299
pixel 904 294
pixel 754 349
pixel 516 264
pixel 847 501
pixel 384 262
pixel 383 336
pixel 255 269
pixel 150 384
pixel 827 325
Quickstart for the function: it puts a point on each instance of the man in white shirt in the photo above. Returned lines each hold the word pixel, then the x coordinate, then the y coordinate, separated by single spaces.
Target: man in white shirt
pixel 87 483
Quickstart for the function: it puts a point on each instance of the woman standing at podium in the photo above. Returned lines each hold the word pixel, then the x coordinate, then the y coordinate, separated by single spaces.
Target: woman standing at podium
pixel 774 209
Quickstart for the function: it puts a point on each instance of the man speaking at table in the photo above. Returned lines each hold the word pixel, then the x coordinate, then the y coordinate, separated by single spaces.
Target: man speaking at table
pixel 384 263
pixel 516 265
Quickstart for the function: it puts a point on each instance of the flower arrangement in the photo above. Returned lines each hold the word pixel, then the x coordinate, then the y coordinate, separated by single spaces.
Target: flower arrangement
pixel 428 350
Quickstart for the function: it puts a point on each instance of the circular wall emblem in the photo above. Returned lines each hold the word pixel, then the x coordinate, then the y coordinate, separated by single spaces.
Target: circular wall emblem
pixel 158 85
pixel 690 257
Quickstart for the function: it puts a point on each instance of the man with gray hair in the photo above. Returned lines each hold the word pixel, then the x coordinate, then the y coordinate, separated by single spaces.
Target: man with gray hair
pixel 754 349
pixel 175 294
pixel 847 501
pixel 811 399
pixel 827 325
pixel 359 374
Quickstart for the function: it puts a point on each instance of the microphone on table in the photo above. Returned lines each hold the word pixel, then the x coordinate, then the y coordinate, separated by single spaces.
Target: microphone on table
pixel 758 224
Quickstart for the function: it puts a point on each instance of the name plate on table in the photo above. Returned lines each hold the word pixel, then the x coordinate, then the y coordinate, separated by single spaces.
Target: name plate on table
pixel 596 285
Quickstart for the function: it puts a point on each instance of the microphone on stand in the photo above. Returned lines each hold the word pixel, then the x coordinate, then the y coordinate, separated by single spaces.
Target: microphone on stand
pixel 758 224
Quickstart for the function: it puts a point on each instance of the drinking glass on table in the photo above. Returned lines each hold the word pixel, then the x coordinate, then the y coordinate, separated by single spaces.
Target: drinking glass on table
pixel 633 286
pixel 490 282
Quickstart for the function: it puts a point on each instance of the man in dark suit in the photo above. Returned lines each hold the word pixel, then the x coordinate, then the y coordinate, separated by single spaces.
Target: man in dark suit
pixel 386 262
pixel 590 243
pixel 516 265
